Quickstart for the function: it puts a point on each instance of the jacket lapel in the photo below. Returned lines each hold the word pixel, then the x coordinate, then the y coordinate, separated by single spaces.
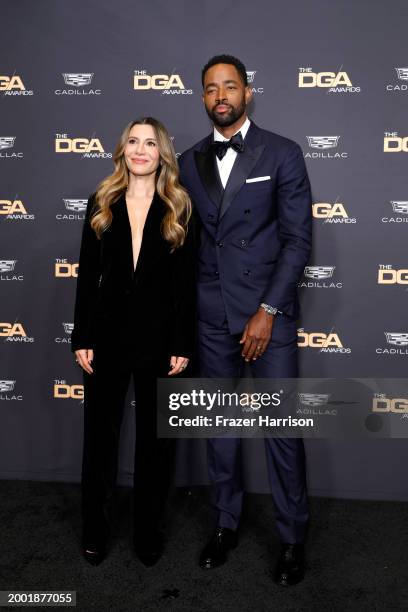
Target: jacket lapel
pixel 242 168
pixel 150 238
pixel 122 234
pixel 208 171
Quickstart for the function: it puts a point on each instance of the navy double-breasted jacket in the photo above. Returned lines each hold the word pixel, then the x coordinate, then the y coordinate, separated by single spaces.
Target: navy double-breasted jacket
pixel 255 236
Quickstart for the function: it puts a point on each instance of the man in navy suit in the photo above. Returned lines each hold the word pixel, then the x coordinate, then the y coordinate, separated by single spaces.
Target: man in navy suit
pixel 251 191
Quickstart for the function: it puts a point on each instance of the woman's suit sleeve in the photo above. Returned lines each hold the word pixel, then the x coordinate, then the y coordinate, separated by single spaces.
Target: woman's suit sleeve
pixel 89 271
pixel 184 262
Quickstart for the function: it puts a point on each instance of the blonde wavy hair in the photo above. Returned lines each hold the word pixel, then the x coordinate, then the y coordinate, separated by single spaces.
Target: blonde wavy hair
pixel 175 197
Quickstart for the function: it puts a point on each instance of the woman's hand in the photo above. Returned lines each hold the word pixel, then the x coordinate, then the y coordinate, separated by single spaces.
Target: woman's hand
pixel 84 358
pixel 177 365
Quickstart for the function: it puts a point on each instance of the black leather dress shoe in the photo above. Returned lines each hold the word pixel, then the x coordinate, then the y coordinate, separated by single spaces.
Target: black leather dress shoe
pixel 215 552
pixel 149 547
pixel 290 568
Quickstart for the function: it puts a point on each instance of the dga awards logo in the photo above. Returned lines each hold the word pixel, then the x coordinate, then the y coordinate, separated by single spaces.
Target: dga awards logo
pixel 320 277
pixel 86 147
pixel 252 82
pixel 7 393
pixel 68 327
pixel 399 212
pixel 14 332
pixel 77 84
pixel 74 210
pixel 322 148
pixel 62 390
pixel 14 209
pixel 13 86
pixel 402 80
pixel 64 269
pixel 396 405
pixel 394 143
pixel 397 344
pixel 7 143
pixel 332 213
pixel 7 267
pixel 323 342
pixel 330 82
pixel 388 275
pixel 167 84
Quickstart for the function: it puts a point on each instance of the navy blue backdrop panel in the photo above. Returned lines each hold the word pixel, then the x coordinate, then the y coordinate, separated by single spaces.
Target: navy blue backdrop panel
pixel 331 75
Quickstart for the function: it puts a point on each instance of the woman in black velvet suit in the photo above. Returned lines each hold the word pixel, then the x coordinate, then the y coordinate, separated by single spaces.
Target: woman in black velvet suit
pixel 134 317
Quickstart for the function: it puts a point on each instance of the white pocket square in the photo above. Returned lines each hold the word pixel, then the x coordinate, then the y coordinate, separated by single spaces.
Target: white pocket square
pixel 257 179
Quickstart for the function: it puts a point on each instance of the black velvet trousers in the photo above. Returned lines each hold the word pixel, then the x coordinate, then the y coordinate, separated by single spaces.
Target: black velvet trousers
pixel 104 397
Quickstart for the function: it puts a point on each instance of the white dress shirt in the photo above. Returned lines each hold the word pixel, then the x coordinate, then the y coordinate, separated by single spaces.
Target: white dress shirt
pixel 225 164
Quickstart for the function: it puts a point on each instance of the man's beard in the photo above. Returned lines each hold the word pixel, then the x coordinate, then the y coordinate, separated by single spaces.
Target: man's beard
pixel 227 119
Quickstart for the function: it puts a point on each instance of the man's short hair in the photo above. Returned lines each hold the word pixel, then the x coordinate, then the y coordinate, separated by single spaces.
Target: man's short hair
pixel 226 59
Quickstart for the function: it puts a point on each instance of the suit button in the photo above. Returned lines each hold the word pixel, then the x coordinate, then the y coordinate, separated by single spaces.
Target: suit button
pixel 243 243
pixel 247 211
pixel 128 292
pixel 247 272
pixel 220 244
pixel 217 273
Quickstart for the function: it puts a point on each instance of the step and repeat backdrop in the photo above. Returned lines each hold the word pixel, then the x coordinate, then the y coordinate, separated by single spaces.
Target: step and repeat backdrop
pixel 332 76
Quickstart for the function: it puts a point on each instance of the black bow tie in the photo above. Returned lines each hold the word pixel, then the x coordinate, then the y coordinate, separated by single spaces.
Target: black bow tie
pixel 221 146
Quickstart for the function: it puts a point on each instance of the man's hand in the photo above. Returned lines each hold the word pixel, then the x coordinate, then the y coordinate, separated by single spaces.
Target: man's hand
pixel 85 357
pixel 257 334
pixel 177 365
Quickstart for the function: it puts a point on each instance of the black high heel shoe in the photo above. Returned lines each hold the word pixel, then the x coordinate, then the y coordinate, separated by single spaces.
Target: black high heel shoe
pixel 94 557
pixel 149 546
pixel 94 546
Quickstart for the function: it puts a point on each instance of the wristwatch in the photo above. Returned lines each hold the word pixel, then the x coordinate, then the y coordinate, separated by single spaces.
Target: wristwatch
pixel 269 309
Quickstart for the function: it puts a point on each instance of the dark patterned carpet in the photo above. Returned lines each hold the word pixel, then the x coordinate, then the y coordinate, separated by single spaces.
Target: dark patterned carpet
pixel 357 555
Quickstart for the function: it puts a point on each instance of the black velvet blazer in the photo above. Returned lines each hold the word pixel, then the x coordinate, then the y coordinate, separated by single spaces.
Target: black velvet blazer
pixel 149 311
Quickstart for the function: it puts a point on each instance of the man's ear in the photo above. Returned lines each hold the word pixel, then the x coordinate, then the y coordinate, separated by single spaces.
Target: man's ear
pixel 248 94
